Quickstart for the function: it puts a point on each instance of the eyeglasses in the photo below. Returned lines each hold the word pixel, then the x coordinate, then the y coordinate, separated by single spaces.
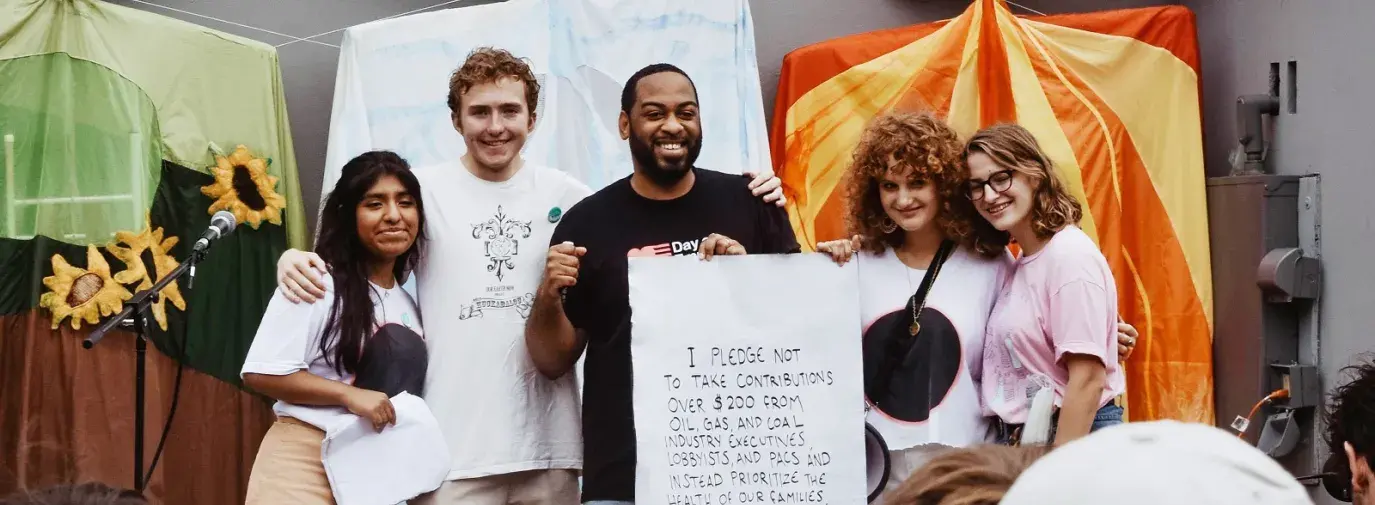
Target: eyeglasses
pixel 999 181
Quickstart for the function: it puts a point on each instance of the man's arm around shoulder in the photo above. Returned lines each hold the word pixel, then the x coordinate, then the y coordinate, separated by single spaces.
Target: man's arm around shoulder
pixel 777 231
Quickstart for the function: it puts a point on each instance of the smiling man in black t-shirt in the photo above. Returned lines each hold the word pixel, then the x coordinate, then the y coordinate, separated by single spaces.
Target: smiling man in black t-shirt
pixel 666 207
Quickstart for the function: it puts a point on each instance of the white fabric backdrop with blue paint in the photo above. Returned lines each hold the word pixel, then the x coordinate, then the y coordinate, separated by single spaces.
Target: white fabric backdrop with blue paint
pixel 392 82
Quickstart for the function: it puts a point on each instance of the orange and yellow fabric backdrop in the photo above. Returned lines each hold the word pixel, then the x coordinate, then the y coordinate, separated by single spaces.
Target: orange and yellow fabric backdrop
pixel 1112 96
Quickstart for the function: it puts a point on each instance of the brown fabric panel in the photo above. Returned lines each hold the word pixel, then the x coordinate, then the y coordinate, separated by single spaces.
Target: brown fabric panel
pixel 67 416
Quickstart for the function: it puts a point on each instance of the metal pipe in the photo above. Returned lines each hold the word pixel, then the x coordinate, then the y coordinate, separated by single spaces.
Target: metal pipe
pixel 10 218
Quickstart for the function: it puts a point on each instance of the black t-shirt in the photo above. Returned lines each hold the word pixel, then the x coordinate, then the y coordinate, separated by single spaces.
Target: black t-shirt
pixel 613 224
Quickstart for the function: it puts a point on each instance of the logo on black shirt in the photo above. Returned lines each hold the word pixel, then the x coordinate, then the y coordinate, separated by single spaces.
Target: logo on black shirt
pixel 674 248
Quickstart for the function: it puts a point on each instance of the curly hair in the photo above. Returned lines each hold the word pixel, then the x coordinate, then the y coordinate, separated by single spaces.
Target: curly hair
pixel 486 65
pixel 1350 414
pixel 1014 147
pixel 978 475
pixel 926 148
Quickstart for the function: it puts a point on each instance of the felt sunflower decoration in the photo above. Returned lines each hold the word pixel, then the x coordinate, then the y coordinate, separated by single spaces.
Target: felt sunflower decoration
pixel 131 253
pixel 82 293
pixel 243 186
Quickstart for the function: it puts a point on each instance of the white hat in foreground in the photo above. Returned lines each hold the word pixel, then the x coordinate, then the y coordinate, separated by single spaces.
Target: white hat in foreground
pixel 1161 462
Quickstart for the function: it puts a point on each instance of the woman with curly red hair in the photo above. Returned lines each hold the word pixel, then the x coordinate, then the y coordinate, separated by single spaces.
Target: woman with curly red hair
pixel 1051 333
pixel 929 272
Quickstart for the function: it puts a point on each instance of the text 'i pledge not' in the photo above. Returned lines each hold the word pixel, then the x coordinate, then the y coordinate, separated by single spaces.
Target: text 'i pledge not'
pixel 744 413
pixel 740 422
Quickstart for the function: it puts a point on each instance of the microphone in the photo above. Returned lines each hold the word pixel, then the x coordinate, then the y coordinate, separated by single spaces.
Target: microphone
pixel 220 225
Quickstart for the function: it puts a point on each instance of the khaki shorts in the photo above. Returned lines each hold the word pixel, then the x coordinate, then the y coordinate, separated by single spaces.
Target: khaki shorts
pixel 288 467
pixel 535 487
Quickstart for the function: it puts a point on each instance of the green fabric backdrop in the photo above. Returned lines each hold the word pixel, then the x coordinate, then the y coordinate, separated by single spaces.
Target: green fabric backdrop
pixel 232 285
pixel 100 145
pixel 205 87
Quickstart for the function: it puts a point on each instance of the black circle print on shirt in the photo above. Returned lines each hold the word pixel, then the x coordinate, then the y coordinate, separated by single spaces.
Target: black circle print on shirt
pixel 394 360
pixel 922 382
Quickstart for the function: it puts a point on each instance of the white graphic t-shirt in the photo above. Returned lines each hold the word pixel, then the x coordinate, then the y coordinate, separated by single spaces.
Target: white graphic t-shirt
pixel 288 340
pixel 361 464
pixel 488 242
pixel 934 397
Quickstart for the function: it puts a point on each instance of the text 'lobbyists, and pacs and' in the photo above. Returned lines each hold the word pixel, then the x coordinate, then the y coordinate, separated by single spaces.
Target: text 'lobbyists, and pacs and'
pixel 739 435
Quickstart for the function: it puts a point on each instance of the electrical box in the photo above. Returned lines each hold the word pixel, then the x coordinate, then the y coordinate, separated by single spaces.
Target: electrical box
pixel 1266 279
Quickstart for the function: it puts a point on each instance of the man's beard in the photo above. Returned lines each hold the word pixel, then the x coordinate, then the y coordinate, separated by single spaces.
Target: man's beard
pixel 661 175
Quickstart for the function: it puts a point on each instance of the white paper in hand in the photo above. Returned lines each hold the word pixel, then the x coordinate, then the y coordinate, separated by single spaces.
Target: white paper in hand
pixel 403 461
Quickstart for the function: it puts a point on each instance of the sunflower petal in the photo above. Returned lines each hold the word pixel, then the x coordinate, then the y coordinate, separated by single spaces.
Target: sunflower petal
pixel 160 313
pixel 95 262
pixel 173 294
pixel 128 276
pixel 91 316
pixel 240 156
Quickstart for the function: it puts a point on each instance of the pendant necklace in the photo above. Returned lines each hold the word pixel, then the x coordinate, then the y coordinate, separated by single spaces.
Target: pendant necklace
pixel 916 309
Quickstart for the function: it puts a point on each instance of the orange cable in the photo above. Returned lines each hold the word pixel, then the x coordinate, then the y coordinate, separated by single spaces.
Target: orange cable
pixel 1276 395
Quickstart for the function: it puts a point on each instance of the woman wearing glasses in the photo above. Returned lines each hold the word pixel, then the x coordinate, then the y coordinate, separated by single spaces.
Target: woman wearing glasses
pixel 1053 325
pixel 929 274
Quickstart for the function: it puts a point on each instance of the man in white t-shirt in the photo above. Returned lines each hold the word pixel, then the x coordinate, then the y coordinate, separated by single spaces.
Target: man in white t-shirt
pixel 515 435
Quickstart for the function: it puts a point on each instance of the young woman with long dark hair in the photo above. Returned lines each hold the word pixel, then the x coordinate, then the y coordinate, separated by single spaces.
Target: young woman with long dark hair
pixel 1052 328
pixel 351 354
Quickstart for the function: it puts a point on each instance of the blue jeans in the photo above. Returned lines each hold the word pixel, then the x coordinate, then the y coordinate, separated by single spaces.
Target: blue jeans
pixel 1108 415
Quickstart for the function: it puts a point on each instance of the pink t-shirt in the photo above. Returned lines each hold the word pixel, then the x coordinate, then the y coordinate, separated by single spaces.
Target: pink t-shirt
pixel 1060 300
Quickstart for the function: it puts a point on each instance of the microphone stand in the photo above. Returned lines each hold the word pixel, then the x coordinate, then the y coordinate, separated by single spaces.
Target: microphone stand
pixel 132 318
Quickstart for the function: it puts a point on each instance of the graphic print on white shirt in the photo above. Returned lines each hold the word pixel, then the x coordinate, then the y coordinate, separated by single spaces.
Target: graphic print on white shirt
pixel 935 398
pixel 501 239
pixel 500 236
pixel 488 242
pixel 392 362
pixel 925 374
pixel 288 340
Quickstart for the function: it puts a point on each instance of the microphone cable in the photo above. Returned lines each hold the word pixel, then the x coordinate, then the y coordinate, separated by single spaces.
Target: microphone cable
pixel 176 390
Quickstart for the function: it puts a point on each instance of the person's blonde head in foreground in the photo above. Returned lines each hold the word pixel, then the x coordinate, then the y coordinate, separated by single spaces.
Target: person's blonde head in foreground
pixel 976 475
pixel 1160 462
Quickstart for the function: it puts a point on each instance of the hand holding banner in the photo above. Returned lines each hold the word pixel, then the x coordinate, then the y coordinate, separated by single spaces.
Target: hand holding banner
pixel 748 380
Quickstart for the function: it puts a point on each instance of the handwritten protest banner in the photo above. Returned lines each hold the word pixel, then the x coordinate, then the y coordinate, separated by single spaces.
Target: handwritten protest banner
pixel 748 383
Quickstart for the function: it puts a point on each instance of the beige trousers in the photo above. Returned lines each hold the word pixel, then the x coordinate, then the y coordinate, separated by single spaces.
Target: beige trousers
pixel 536 487
pixel 288 467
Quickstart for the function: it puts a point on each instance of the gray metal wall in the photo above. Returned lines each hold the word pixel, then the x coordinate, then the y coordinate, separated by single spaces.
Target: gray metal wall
pixel 1328 135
